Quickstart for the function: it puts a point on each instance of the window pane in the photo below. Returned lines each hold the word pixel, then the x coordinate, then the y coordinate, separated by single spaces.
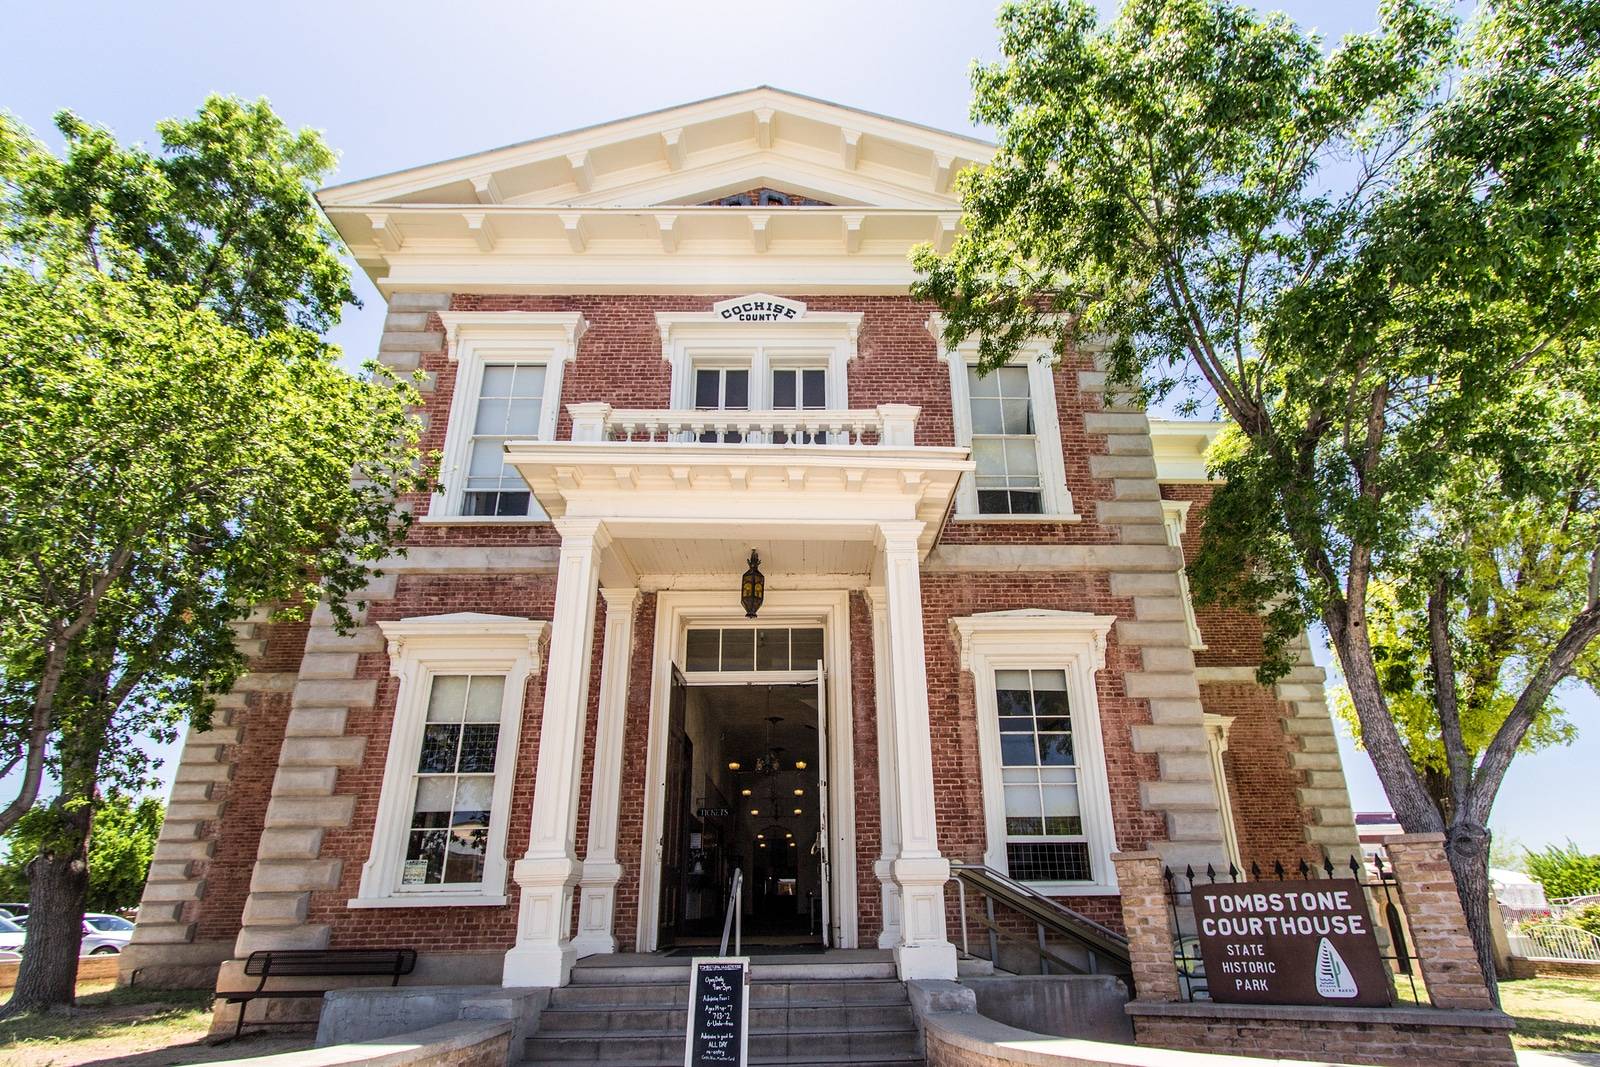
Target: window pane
pixel 986 385
pixel 1012 680
pixel 736 395
pixel 990 456
pixel 816 389
pixel 1055 750
pixel 1019 725
pixel 473 794
pixel 783 389
pixel 1022 461
pixel 738 650
pixel 484 697
pixel 491 416
pixel 522 418
pixel 702 650
pixel 988 416
pixel 1012 381
pixel 1017 416
pixel 1016 750
pixel 487 462
pixel 1060 800
pixel 424 858
pixel 993 502
pixel 529 381
pixel 448 697
pixel 1023 800
pixel 806 649
pixel 772 650
pixel 1026 503
pixel 497 380
pixel 707 388
pixel 478 744
pixel 438 748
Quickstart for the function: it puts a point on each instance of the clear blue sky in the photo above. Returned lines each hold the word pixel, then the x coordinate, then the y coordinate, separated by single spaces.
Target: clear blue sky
pixel 403 83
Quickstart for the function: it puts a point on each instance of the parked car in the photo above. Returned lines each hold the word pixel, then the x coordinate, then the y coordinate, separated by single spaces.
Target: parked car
pixel 11 936
pixel 13 909
pixel 104 934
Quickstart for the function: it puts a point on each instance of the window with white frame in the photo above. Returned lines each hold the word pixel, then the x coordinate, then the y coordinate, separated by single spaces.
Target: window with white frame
pixel 440 832
pixel 509 367
pixel 1047 800
pixel 1008 417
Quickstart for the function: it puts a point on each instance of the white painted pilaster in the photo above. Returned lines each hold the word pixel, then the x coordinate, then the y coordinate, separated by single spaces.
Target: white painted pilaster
pixel 918 870
pixel 888 798
pixel 597 891
pixel 548 873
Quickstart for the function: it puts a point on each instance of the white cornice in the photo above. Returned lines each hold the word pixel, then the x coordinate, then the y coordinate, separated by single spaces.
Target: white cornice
pixel 470 629
pixel 1014 631
pixel 562 327
pixel 1180 447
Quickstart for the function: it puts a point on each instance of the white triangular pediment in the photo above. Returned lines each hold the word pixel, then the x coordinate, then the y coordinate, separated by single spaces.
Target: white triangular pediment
pixel 697 152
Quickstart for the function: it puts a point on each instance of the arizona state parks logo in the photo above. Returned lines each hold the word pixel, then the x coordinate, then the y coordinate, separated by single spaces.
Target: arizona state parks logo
pixel 1307 942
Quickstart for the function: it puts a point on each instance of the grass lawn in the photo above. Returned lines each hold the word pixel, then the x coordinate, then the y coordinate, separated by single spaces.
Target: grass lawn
pixel 130 1028
pixel 1554 1014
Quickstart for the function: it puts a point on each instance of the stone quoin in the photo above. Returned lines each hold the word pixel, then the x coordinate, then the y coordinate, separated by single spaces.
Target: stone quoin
pixel 648 348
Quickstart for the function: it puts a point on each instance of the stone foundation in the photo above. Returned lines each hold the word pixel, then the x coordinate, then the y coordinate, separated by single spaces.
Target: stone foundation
pixel 1542 967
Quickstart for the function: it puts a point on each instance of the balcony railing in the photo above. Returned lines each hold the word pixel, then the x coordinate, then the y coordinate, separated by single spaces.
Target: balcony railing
pixel 887 425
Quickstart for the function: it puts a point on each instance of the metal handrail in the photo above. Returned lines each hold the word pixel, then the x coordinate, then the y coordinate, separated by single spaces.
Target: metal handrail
pixel 1048 916
pixel 734 919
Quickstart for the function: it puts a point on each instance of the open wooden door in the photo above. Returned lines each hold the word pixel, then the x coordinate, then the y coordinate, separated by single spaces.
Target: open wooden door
pixel 675 815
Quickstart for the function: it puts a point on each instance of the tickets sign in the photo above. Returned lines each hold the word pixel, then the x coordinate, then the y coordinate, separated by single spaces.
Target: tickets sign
pixel 1308 942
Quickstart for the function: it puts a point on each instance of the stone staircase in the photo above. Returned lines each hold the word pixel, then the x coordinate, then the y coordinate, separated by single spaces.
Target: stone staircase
pixel 800 1013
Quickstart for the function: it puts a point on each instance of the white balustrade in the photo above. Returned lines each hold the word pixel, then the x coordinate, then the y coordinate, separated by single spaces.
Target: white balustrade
pixel 889 425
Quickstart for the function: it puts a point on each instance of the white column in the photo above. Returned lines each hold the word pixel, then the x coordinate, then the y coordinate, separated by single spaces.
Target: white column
pixel 543 954
pixel 888 800
pixel 597 891
pixel 918 870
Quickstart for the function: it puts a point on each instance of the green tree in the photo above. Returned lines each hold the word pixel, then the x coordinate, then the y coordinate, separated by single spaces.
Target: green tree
pixel 1380 261
pixel 1565 871
pixel 181 445
pixel 121 843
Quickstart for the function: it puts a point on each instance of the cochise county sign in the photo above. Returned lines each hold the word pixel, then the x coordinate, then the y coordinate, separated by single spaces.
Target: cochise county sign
pixel 1289 943
pixel 758 307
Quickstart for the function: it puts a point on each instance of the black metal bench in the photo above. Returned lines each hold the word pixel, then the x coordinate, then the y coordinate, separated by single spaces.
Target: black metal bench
pixel 392 963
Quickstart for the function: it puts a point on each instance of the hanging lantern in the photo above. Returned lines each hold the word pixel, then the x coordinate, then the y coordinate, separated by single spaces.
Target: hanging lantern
pixel 753 587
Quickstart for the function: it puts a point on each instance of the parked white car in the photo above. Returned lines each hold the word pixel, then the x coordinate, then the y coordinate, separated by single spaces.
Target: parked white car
pixel 105 934
pixel 11 936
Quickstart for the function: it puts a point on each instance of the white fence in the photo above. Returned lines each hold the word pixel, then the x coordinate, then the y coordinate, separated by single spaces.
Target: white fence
pixel 1554 942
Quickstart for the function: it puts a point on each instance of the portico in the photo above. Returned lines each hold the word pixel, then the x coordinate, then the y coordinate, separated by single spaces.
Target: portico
pixel 677 517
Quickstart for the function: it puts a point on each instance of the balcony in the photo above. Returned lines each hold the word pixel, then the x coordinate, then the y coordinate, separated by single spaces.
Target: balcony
pixel 745 477
pixel 886 426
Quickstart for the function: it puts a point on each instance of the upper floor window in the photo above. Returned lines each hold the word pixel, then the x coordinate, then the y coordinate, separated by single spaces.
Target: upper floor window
pixel 508 371
pixel 1009 419
pixel 510 404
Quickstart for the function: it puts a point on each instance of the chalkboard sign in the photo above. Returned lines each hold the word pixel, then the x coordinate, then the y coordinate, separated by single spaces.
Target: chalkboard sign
pixel 719 1011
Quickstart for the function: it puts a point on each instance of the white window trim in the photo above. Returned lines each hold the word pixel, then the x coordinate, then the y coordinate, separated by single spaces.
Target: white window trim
pixel 474 338
pixel 1042 639
pixel 1217 727
pixel 1175 517
pixel 828 336
pixel 420 648
pixel 1056 505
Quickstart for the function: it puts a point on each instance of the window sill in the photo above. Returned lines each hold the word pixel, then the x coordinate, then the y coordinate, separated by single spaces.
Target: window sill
pixel 1073 889
pixel 431 519
pixel 431 900
pixel 1020 519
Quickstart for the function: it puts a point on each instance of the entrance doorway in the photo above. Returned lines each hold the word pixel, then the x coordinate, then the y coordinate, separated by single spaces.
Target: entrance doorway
pixel 746 789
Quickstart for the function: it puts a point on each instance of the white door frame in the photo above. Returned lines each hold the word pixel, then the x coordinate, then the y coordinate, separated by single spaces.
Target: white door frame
pixel 674 612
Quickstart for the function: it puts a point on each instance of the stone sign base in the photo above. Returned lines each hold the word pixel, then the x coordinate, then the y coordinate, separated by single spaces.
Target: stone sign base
pixel 1414 1037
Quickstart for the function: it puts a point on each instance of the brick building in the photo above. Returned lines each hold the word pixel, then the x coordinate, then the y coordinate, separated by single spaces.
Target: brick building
pixel 650 348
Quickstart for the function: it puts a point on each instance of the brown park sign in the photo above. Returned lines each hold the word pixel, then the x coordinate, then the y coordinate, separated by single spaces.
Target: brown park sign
pixel 1307 942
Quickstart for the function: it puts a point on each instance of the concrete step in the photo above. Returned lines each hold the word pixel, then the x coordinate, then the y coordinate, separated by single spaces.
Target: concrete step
pixel 768 972
pixel 782 1048
pixel 763 994
pixel 829 1019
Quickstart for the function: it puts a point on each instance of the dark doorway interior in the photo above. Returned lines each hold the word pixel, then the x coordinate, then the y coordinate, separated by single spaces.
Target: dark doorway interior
pixel 743 793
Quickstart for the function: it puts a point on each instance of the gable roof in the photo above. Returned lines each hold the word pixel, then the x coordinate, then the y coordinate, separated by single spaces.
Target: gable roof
pixel 695 152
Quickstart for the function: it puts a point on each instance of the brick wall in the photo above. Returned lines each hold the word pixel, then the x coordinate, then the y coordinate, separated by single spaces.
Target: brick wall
pixel 1370 1040
pixel 1232 636
pixel 1262 784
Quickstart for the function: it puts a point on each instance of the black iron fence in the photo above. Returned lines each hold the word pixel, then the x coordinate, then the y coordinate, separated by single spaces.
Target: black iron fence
pixel 1378 884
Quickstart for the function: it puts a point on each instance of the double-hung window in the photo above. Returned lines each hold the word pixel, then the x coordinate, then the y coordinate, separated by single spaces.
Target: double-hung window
pixel 722 385
pixel 508 373
pixel 1009 418
pixel 1005 442
pixel 1047 798
pixel 799 387
pixel 439 836
pixel 510 403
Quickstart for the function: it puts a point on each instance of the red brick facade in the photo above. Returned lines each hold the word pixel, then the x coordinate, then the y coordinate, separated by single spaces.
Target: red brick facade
pixel 619 361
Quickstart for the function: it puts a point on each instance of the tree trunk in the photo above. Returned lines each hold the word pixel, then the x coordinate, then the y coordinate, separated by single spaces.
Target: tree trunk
pixel 1467 848
pixel 58 885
